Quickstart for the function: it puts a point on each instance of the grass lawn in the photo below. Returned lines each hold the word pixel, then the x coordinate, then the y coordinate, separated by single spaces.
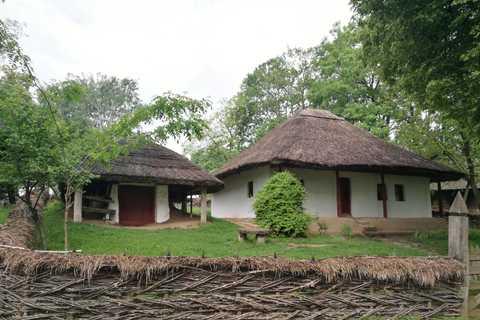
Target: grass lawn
pixel 4 210
pixel 438 240
pixel 218 239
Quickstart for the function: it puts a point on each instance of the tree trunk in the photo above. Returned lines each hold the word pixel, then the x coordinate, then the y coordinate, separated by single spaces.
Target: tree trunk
pixel 11 191
pixel 68 205
pixel 471 170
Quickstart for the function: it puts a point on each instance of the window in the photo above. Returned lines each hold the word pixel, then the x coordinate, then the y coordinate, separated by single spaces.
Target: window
pixel 250 189
pixel 379 192
pixel 399 192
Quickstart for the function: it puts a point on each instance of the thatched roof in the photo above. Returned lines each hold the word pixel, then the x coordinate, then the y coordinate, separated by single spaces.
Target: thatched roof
pixel 160 165
pixel 319 140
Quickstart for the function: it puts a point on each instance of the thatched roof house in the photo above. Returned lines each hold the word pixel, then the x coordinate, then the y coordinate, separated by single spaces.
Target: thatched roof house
pixel 159 165
pixel 140 188
pixel 318 139
pixel 341 165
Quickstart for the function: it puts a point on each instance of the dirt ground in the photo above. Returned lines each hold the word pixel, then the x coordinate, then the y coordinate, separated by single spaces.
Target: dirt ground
pixel 177 220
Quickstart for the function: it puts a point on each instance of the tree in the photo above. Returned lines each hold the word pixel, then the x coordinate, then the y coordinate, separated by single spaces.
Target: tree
pixel 273 92
pixel 29 158
pixel 177 116
pixel 220 142
pixel 105 101
pixel 430 51
pixel 349 88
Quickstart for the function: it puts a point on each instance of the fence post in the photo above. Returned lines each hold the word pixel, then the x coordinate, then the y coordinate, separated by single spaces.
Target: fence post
pixel 458 245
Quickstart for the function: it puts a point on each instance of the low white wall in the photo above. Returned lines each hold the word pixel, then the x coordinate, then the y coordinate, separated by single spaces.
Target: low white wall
pixel 322 191
pixel 162 211
pixel 417 202
pixel 364 201
pixel 114 205
pixel 233 201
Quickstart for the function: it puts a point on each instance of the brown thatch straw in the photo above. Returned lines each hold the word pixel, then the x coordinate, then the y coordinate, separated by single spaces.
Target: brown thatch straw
pixel 157 164
pixel 423 271
pixel 319 140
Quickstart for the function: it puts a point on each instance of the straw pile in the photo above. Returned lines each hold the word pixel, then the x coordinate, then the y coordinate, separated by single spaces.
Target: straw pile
pixel 421 271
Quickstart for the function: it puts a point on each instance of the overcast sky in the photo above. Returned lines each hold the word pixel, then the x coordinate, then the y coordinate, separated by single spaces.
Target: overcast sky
pixel 204 48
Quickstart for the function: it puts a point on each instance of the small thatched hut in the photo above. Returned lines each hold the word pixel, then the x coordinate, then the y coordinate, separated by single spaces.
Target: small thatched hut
pixel 140 189
pixel 346 171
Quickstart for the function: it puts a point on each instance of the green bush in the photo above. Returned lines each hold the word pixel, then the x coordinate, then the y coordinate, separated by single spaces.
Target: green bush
pixel 279 206
pixel 347 231
pixel 322 226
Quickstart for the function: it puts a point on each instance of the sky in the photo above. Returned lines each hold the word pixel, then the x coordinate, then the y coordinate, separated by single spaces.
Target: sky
pixel 201 48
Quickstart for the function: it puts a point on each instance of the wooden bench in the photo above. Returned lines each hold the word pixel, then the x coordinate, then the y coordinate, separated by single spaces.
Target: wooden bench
pixel 260 234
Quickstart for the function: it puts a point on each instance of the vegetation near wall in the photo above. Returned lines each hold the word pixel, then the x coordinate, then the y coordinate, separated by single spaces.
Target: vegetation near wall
pixel 279 206
pixel 36 285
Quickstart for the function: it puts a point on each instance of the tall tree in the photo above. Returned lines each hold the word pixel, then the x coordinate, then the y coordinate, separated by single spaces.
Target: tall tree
pixel 177 116
pixel 29 158
pixel 431 51
pixel 220 142
pixel 348 87
pixel 106 100
pixel 274 91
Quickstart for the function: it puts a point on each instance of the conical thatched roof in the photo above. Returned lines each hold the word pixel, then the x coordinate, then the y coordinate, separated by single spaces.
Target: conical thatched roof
pixel 319 140
pixel 160 165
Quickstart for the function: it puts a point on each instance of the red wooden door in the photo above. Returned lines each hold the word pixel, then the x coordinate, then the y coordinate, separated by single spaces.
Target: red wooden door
pixel 136 205
pixel 345 196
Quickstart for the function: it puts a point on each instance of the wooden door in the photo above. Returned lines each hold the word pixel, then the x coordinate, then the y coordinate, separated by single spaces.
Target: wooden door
pixel 136 205
pixel 345 196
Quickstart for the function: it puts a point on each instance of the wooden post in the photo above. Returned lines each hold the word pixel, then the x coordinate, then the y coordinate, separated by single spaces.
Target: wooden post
pixel 458 245
pixel 203 202
pixel 440 200
pixel 339 195
pixel 191 204
pixel 77 205
pixel 184 204
pixel 384 197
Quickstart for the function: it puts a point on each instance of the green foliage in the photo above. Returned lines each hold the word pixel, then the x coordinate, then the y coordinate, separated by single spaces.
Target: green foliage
pixel 220 142
pixel 322 226
pixel 274 91
pixel 4 211
pixel 347 231
pixel 29 155
pixel 348 87
pixel 106 100
pixel 279 206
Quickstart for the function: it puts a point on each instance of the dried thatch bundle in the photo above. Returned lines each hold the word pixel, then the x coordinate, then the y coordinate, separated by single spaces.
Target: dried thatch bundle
pixel 423 271
pixel 319 140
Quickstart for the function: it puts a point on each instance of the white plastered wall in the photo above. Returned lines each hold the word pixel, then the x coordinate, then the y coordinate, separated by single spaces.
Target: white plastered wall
pixel 233 201
pixel 114 205
pixel 162 211
pixel 364 201
pixel 322 191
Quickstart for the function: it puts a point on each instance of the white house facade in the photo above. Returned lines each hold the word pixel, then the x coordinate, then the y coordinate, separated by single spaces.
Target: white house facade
pixel 346 171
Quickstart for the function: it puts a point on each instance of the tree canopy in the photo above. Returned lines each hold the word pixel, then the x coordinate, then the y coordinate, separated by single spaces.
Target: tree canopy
pixel 430 49
pixel 105 100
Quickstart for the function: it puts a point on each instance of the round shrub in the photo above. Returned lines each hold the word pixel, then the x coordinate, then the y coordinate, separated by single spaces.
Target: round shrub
pixel 279 206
